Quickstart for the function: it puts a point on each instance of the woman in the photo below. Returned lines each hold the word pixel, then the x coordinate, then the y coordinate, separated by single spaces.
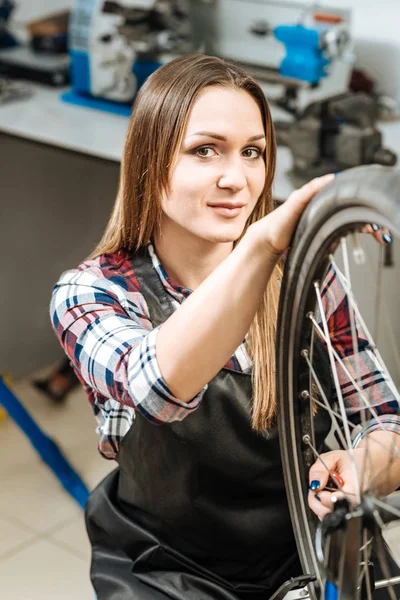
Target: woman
pixel 170 327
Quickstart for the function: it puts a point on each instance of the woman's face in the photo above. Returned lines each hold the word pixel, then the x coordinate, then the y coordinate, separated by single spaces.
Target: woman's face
pixel 219 172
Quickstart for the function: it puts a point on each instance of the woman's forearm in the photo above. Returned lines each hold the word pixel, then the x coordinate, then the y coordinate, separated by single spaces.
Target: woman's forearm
pixel 199 338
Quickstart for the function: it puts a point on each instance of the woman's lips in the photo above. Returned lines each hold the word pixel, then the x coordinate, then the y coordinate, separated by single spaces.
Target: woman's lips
pixel 227 210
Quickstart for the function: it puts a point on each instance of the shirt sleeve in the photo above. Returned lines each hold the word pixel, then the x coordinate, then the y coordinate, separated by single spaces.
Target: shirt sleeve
pixel 376 386
pixel 107 334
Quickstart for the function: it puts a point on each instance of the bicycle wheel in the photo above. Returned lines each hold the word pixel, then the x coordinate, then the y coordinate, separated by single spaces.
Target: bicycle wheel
pixel 321 378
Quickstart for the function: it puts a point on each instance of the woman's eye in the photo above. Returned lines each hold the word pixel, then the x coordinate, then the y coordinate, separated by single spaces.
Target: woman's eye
pixel 252 153
pixel 205 151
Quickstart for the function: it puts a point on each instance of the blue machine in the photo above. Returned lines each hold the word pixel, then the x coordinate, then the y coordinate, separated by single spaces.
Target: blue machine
pixel 115 45
pixel 105 70
pixel 305 58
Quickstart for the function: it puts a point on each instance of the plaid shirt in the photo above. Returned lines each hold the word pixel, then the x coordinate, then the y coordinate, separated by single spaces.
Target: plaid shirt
pixel 103 323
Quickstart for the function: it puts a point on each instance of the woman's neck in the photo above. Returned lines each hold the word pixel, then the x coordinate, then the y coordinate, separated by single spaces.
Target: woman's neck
pixel 187 259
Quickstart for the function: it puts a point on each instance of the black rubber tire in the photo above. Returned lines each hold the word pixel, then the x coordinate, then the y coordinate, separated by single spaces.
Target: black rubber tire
pixel 368 194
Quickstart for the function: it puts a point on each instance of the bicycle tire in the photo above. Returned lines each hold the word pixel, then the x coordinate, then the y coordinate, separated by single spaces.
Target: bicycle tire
pixel 368 194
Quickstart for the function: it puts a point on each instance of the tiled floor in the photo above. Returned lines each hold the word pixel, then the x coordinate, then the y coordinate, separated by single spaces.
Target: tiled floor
pixel 44 551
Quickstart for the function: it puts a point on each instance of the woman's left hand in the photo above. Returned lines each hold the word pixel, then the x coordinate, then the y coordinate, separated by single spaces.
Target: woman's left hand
pixel 340 462
pixel 381 234
pixel 374 464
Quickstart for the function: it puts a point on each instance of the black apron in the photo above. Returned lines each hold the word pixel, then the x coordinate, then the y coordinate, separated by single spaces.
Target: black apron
pixel 197 509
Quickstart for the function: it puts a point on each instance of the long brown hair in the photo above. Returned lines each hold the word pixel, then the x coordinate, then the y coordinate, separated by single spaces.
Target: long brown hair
pixel 156 129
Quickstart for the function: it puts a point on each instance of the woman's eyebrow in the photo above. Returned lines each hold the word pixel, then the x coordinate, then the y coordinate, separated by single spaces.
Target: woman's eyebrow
pixel 217 136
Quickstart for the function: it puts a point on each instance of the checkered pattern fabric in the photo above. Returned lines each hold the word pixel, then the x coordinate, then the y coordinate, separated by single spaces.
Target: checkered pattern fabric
pixel 103 323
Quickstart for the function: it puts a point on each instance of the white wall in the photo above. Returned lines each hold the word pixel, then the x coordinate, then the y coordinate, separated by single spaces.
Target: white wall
pixel 27 10
pixel 376 32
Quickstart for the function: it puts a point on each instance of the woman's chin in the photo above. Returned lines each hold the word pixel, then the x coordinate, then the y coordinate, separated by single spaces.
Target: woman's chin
pixel 224 237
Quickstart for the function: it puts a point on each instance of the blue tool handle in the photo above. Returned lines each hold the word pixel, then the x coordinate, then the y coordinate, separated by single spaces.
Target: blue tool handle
pixel 44 446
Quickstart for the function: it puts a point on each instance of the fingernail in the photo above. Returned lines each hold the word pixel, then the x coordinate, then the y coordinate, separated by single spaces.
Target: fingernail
pixel 375 227
pixel 314 485
pixel 317 497
pixel 387 238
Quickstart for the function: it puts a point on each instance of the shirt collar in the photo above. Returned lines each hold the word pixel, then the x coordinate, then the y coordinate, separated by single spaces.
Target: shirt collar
pixel 176 291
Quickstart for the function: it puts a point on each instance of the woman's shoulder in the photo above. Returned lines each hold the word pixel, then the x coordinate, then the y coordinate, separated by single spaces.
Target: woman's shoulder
pixel 104 271
pixel 114 268
pixel 105 282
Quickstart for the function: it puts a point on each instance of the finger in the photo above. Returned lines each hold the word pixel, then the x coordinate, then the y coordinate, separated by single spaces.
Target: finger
pixel 325 499
pixel 386 236
pixel 371 231
pixel 318 507
pixel 282 221
pixel 299 199
pixel 320 471
pixel 381 234
pixel 366 229
pixel 316 184
pixel 323 502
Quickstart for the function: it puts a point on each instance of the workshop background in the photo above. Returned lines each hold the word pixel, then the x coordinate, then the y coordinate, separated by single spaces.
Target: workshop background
pixel 60 150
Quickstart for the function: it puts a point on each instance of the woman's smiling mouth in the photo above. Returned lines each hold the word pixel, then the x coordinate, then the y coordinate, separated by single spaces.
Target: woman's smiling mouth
pixel 227 209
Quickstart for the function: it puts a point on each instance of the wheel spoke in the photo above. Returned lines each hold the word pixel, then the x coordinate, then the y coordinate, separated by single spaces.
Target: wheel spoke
pixel 386 506
pixel 380 551
pixel 351 379
pixel 378 359
pixel 310 383
pixel 366 553
pixel 358 250
pixel 337 416
pixel 393 450
pixel 341 363
pixel 385 582
pixel 359 256
pixel 317 455
pixel 326 404
pixel 338 391
pixel 354 337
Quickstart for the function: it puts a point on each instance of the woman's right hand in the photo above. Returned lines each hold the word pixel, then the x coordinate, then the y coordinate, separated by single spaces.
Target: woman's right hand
pixel 277 228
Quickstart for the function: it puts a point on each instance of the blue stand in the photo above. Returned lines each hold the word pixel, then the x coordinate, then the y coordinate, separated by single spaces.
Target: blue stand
pixel 80 93
pixel 331 591
pixel 44 446
pixel 87 101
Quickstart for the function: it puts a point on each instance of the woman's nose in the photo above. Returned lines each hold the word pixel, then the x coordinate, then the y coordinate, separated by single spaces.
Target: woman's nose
pixel 232 176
